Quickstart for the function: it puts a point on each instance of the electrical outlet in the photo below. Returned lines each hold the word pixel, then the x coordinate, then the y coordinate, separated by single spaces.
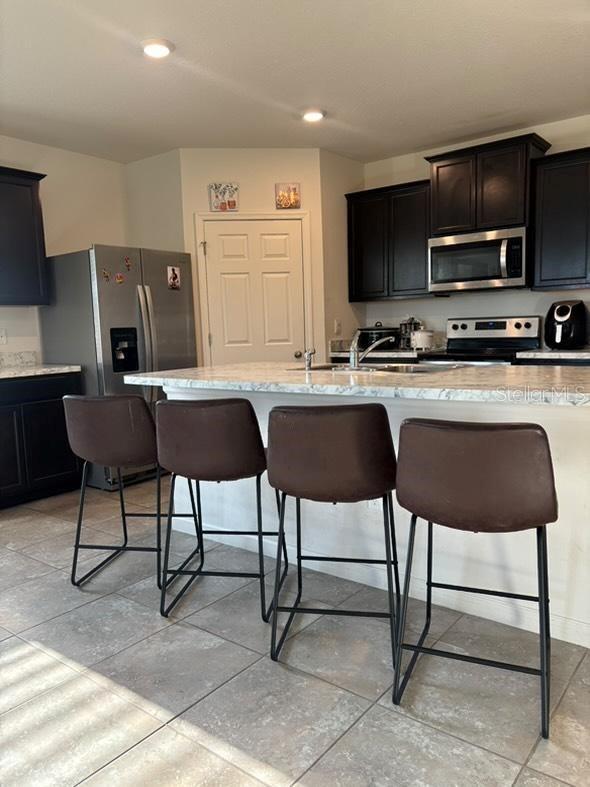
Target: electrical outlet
pixel 337 327
pixel 3 336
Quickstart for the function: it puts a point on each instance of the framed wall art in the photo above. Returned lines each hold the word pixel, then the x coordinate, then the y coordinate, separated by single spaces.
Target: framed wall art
pixel 224 197
pixel 287 196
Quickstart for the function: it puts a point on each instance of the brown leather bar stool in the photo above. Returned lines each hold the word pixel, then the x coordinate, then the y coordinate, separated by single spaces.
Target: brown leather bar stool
pixel 489 478
pixel 341 454
pixel 211 440
pixel 112 431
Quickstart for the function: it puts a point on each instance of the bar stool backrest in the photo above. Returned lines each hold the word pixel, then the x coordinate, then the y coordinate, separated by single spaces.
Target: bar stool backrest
pixel 494 477
pixel 112 431
pixel 210 440
pixel 331 454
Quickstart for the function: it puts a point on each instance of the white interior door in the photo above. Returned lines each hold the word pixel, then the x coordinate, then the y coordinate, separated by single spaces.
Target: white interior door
pixel 255 290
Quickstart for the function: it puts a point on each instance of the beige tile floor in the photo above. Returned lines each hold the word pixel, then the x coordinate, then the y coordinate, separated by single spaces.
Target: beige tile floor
pixel 97 688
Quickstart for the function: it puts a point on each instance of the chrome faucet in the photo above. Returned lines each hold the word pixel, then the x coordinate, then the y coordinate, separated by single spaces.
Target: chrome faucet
pixel 308 356
pixel 356 356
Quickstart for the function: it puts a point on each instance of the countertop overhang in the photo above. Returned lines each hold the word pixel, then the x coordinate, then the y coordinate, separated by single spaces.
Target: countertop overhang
pixel 547 385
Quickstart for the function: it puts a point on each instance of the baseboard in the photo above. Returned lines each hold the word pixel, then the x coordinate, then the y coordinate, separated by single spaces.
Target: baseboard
pixel 512 612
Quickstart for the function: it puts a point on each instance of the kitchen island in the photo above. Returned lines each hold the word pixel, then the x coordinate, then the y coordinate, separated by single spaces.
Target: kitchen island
pixel 557 397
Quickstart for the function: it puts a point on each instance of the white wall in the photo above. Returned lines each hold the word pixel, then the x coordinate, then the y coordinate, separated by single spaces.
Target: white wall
pixel 338 176
pixel 257 170
pixel 83 200
pixel 563 135
pixel 154 202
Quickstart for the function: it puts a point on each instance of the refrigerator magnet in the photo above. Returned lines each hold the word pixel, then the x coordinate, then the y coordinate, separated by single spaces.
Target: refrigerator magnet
pixel 119 278
pixel 128 263
pixel 173 277
pixel 106 275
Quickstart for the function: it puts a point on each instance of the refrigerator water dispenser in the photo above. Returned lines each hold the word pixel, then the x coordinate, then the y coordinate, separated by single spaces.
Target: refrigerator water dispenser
pixel 124 349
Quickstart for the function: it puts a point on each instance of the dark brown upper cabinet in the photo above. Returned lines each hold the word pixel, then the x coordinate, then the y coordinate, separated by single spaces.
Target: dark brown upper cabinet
pixel 387 242
pixel 483 187
pixel 22 244
pixel 453 195
pixel 562 220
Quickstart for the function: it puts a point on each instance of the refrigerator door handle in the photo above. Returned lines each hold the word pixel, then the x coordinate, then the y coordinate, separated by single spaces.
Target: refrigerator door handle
pixel 147 389
pixel 153 335
pixel 152 321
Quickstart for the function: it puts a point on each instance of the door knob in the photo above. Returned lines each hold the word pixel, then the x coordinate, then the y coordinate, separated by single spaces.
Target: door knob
pixel 298 354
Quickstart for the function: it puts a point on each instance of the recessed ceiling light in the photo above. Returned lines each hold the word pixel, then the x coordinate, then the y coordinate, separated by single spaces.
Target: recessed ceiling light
pixel 313 115
pixel 157 47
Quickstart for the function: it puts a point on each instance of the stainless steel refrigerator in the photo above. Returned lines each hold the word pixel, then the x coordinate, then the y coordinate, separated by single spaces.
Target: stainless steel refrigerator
pixel 117 310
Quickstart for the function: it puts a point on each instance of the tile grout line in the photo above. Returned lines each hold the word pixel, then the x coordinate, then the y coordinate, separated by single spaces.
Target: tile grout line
pixel 118 756
pixel 553 713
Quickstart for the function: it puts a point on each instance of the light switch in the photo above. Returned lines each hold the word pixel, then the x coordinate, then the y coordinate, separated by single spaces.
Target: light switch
pixel 3 336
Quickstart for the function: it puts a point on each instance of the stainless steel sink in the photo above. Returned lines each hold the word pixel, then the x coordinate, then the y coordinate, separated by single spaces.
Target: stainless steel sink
pixel 332 367
pixel 424 367
pixel 417 368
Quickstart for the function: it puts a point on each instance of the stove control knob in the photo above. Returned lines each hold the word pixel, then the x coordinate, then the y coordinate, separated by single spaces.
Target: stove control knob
pixel 455 327
pixel 528 326
pixel 463 326
pixel 518 325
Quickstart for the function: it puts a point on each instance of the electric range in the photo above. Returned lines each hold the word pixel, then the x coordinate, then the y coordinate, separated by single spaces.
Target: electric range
pixel 487 340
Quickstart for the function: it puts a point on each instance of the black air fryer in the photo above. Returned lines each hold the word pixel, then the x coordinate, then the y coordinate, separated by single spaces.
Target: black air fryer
pixel 565 325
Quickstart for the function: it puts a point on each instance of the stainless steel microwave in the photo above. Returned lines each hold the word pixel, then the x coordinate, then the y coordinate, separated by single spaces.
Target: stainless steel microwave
pixel 477 260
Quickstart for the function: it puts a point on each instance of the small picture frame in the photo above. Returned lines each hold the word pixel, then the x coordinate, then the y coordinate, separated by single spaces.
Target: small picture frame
pixel 173 275
pixel 224 197
pixel 287 196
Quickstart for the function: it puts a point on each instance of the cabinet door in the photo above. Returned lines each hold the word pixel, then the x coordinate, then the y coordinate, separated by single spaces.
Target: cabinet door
pixel 49 460
pixel 368 267
pixel 453 195
pixel 562 223
pixel 13 477
pixel 409 240
pixel 501 187
pixel 22 246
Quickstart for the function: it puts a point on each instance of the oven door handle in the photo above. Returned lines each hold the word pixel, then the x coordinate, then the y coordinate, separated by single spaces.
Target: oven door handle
pixel 503 254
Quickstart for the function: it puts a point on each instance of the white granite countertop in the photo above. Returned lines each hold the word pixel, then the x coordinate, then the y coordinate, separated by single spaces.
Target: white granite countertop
pixel 37 370
pixel 551 385
pixel 557 355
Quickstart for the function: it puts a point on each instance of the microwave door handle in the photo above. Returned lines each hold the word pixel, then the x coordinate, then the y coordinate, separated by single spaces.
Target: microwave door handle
pixel 503 255
pixel 147 389
pixel 153 333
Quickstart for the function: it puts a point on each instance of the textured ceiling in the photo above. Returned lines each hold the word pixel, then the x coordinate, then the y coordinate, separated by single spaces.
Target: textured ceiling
pixel 393 75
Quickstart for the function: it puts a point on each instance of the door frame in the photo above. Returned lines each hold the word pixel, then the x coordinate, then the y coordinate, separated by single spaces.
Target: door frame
pixel 201 219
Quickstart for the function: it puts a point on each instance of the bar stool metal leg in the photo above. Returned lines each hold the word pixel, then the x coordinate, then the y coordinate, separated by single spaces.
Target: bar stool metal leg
pixel 275 647
pixel 389 547
pixel 544 672
pixel 158 526
pixel 115 550
pixel 295 608
pixel 181 570
pixel 397 690
pixel 544 634
pixel 266 612
pixel 394 548
pixel 169 576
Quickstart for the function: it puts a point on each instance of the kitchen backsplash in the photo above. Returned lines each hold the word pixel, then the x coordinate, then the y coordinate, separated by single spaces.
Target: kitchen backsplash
pixel 435 312
pixel 22 358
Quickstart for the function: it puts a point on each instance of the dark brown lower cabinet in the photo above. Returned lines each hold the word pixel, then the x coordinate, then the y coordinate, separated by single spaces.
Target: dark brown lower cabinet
pixel 35 457
pixel 13 473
